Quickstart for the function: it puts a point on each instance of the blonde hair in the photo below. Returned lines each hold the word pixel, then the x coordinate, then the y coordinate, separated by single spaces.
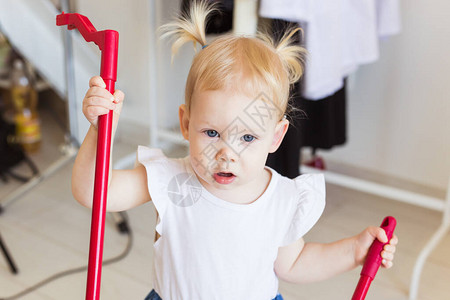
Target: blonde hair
pixel 245 64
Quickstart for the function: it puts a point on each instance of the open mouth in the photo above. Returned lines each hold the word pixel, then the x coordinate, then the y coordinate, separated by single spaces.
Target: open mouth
pixel 225 174
pixel 224 177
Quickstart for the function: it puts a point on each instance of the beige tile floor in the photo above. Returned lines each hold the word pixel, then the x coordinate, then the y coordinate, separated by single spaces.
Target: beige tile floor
pixel 47 232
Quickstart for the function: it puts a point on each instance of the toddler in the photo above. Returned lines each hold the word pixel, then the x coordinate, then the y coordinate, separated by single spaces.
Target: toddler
pixel 229 227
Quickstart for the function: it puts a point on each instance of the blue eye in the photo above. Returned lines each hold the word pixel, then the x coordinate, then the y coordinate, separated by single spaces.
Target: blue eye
pixel 211 133
pixel 248 138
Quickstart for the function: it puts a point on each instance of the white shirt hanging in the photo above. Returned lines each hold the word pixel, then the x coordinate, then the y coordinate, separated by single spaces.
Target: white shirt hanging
pixel 340 35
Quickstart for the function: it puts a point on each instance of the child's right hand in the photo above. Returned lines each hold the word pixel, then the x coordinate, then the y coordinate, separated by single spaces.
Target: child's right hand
pixel 99 101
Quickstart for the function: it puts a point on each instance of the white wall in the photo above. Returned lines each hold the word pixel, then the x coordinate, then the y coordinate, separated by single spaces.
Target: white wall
pixel 398 107
pixel 131 20
pixel 136 33
pixel 399 110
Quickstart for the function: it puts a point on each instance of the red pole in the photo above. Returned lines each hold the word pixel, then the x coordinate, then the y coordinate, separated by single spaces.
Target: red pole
pixel 108 41
pixel 373 260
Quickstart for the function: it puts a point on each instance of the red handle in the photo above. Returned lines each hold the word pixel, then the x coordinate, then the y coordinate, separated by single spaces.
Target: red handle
pixel 108 42
pixel 373 260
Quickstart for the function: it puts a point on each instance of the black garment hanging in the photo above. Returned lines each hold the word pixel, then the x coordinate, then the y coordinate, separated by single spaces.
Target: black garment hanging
pixel 287 158
pixel 325 125
pixel 221 21
pixel 321 126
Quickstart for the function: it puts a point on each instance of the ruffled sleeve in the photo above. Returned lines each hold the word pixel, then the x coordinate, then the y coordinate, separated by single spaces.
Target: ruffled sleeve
pixel 158 169
pixel 309 205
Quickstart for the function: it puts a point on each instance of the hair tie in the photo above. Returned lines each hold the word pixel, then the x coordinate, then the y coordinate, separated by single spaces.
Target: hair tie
pixel 204 46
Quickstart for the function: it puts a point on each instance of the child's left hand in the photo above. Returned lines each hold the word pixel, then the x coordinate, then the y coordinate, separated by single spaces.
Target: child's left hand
pixel 365 239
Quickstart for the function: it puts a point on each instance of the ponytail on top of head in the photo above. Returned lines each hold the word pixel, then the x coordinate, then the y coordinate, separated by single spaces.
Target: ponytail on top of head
pixel 189 26
pixel 292 55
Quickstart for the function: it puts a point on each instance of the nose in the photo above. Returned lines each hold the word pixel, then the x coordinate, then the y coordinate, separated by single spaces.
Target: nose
pixel 226 154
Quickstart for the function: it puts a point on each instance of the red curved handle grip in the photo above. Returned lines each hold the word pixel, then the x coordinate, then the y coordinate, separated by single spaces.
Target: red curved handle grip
pixel 373 260
pixel 108 42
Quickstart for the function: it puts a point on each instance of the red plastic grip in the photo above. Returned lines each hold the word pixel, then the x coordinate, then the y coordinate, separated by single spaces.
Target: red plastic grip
pixel 108 42
pixel 373 260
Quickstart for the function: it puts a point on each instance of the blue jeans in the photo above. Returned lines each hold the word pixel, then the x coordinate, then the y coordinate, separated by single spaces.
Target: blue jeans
pixel 154 296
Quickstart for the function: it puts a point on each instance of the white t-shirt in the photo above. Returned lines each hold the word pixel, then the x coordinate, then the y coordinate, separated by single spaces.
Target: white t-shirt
pixel 213 249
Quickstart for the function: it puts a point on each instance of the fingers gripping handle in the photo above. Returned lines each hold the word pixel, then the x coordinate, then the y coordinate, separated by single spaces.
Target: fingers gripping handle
pixel 107 41
pixel 373 260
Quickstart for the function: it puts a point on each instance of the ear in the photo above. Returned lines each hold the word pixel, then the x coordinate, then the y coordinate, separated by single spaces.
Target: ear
pixel 183 114
pixel 280 132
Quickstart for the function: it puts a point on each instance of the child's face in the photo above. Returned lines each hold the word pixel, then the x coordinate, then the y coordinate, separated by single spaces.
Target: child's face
pixel 230 135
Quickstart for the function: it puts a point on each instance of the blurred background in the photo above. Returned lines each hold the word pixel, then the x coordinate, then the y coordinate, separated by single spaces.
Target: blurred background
pixel 396 133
